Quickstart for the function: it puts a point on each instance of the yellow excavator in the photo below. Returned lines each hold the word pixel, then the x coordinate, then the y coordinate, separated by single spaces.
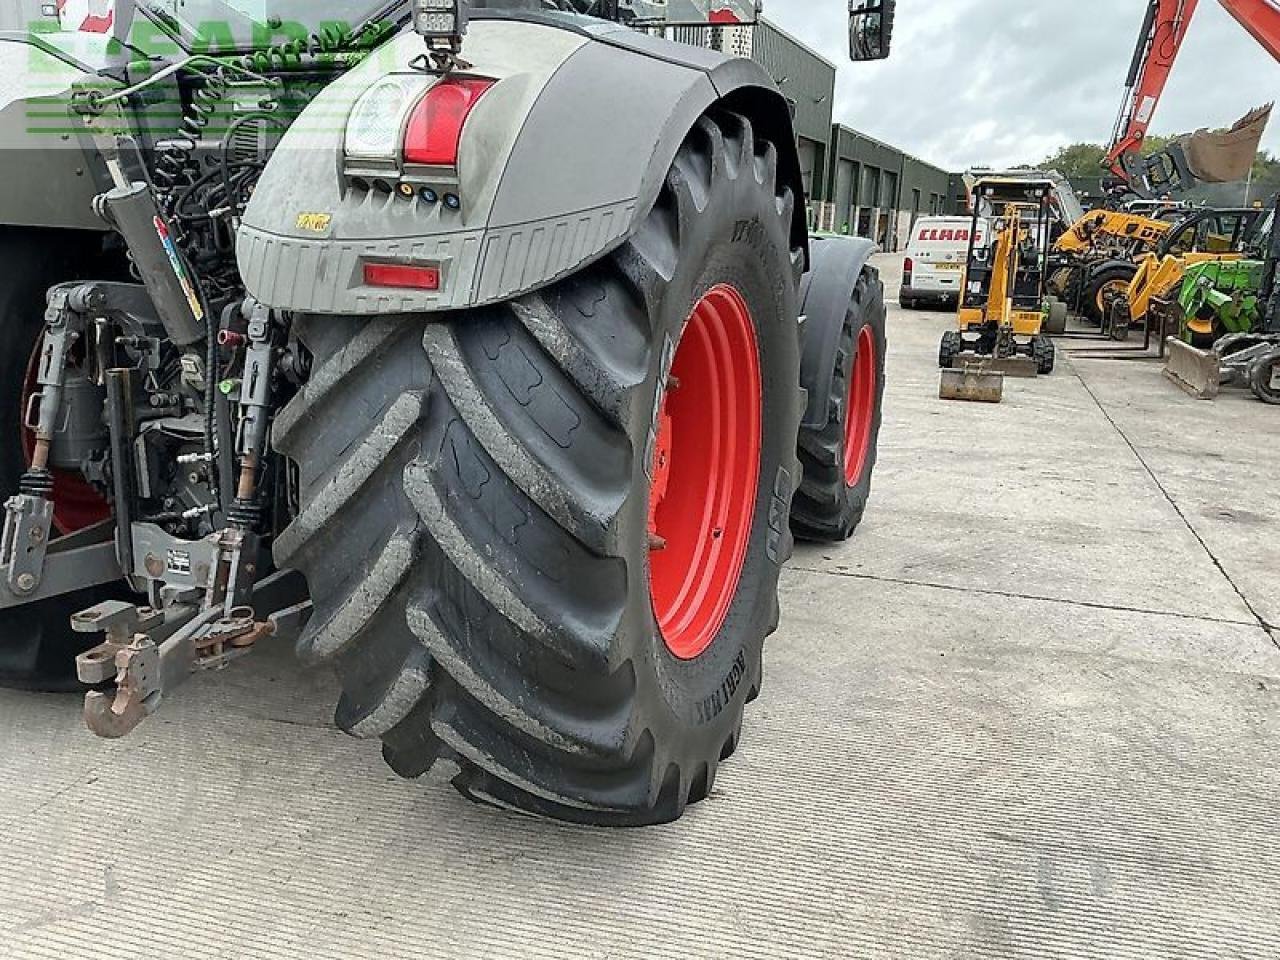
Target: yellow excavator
pixel 1093 253
pixel 1002 302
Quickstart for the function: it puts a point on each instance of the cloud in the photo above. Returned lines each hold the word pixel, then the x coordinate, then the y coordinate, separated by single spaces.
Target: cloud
pixel 975 82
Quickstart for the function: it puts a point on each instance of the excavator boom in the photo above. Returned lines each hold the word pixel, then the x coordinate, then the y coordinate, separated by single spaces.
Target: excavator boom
pixel 1212 157
pixel 1261 18
pixel 1160 41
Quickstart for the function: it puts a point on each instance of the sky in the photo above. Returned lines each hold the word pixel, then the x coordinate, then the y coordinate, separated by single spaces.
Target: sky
pixel 1003 82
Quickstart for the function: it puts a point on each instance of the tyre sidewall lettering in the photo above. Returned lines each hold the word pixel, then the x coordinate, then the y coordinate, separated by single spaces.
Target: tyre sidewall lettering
pixel 750 252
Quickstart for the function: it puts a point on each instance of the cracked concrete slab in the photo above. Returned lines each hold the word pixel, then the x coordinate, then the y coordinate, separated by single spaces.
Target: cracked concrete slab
pixel 1219 461
pixel 1039 494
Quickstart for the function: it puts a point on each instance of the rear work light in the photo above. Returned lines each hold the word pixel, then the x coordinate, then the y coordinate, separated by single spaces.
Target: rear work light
pixel 401 276
pixel 435 125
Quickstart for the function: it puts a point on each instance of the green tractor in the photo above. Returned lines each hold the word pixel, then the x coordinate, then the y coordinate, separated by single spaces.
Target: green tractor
pixel 1229 322
pixel 393 337
pixel 1218 298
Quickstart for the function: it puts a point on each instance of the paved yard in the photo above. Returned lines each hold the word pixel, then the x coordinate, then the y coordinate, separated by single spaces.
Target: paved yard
pixel 1031 711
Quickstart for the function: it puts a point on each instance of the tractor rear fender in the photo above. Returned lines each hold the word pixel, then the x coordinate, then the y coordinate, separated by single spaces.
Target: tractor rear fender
pixel 835 265
pixel 558 164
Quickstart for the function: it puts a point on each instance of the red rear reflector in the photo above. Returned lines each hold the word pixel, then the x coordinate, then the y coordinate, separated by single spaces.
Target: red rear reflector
pixel 399 275
pixel 435 126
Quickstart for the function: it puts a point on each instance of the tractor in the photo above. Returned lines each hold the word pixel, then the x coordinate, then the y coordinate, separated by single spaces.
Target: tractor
pixel 378 328
pixel 1228 319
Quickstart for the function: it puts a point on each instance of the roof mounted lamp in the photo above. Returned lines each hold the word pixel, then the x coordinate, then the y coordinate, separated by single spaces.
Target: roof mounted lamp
pixel 443 24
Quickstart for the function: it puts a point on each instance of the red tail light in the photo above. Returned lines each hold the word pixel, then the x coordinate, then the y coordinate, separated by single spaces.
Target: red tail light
pixel 401 276
pixel 435 126
pixel 908 265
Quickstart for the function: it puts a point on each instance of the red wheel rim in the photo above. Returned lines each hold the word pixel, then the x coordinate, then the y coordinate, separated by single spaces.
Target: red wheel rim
pixel 706 473
pixel 862 408
pixel 76 504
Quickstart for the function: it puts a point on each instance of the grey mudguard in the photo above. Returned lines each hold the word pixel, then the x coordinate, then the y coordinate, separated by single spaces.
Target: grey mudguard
pixel 558 163
pixel 836 263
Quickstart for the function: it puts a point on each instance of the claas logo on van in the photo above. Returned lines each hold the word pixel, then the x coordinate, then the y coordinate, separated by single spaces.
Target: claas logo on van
pixel 936 234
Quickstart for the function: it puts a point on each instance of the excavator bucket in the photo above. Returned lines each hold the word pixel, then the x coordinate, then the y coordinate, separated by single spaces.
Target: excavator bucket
pixel 975 382
pixel 1198 372
pixel 1225 156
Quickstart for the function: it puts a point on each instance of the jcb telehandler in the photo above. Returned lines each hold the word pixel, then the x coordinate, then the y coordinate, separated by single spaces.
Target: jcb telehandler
pixel 1097 259
pixel 1201 237
pixel 498 323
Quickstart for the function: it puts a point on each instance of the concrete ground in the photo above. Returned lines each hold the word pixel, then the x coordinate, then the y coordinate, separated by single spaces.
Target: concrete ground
pixel 1030 711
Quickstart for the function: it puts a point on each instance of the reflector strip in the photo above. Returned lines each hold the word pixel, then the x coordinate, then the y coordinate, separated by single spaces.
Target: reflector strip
pixel 402 276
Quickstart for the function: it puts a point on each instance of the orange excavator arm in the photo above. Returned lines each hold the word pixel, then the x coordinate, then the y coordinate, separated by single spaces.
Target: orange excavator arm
pixel 1261 18
pixel 1163 31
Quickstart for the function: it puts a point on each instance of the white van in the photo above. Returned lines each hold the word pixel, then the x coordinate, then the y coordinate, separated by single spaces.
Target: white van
pixel 934 264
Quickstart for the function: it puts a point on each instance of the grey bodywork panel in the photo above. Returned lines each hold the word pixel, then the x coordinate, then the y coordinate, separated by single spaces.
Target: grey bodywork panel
pixel 50 180
pixel 558 164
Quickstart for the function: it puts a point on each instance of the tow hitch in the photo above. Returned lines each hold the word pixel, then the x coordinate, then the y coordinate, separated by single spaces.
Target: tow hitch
pixel 149 653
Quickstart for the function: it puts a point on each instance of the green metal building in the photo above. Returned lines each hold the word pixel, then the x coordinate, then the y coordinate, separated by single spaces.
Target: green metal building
pixel 878 191
pixel 853 183
pixel 808 81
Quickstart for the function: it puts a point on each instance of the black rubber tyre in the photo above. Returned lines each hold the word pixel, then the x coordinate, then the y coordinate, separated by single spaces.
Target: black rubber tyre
pixel 1205 341
pixel 951 347
pixel 1044 353
pixel 1055 324
pixel 1260 377
pixel 906 303
pixel 37 647
pixel 1118 323
pixel 1091 309
pixel 474 512
pixel 829 505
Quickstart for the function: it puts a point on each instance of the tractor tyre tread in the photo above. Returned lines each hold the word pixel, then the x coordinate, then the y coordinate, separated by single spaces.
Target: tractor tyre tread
pixel 826 508
pixel 489 465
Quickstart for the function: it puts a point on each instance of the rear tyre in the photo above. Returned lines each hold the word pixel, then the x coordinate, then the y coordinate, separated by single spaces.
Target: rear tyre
pixel 37 646
pixel 951 347
pixel 837 462
pixel 495 469
pixel 906 303
pixel 1262 375
pixel 1045 354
